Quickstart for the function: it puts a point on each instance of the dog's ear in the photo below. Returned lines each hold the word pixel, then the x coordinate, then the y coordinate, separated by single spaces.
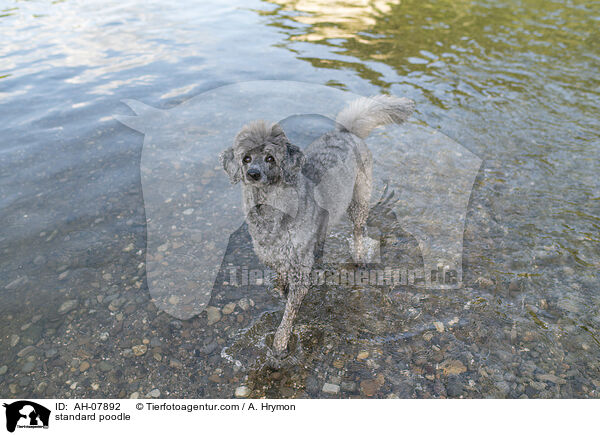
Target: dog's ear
pixel 232 167
pixel 294 158
pixel 292 163
pixel 278 134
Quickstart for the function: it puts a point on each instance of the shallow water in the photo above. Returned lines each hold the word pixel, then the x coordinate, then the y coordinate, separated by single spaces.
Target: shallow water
pixel 516 83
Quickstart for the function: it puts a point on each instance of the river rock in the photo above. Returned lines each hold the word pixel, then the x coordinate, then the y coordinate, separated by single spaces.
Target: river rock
pixel 331 388
pixel 242 391
pixel 139 350
pixel 67 306
pixel 214 315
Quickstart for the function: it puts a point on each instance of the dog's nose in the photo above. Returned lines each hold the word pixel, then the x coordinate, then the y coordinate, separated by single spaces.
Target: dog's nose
pixel 254 174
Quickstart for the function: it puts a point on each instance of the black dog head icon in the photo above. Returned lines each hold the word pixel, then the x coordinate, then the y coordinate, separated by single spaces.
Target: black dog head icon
pixel 30 412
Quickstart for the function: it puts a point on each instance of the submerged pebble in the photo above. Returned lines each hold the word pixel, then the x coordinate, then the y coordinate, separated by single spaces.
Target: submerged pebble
pixel 242 391
pixel 330 388
pixel 67 306
pixel 214 315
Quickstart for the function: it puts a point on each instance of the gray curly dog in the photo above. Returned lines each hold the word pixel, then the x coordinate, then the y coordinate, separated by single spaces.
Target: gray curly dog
pixel 290 197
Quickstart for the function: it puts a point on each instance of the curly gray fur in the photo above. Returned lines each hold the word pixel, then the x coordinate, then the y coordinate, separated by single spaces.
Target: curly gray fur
pixel 290 197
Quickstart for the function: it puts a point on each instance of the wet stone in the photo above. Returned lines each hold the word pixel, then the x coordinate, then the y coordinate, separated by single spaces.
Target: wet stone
pixel 371 386
pixel 213 314
pixel 406 389
pixel 105 366
pixel 175 363
pixel 348 386
pixel 437 356
pixel 331 388
pixel 228 309
pixel 244 304
pixel 509 377
pixel 28 367
pixel 25 351
pixel 209 348
pixel 50 353
pixel 312 385
pixel 552 378
pixel 41 387
pixel 242 391
pixel 538 385
pixel 16 283
pixel 39 260
pixel 139 350
pixel 286 391
pixel 32 334
pixel 503 387
pixel 14 340
pixel 452 367
pixel 175 325
pixel 107 300
pixel 67 306
pixel 438 388
pixel 154 393
pixel 454 386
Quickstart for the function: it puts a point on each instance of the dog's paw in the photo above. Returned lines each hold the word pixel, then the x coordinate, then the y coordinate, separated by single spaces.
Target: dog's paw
pixel 288 356
pixel 367 252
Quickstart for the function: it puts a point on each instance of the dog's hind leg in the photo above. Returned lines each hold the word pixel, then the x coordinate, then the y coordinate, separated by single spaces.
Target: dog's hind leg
pixel 358 211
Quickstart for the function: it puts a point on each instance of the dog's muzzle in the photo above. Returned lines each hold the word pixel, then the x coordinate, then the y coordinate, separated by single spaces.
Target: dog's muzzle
pixel 254 174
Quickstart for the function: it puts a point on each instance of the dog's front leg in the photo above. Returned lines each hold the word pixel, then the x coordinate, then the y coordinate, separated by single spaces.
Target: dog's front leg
pixel 281 283
pixel 297 291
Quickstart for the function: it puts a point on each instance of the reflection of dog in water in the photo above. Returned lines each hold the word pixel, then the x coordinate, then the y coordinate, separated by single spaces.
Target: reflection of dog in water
pixel 290 197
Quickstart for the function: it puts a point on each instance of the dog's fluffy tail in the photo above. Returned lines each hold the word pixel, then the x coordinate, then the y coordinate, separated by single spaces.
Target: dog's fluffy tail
pixel 363 115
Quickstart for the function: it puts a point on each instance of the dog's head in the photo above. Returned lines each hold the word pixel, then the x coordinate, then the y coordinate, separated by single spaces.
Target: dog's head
pixel 262 155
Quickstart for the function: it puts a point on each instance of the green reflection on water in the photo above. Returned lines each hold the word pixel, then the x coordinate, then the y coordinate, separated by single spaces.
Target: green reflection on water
pixel 497 47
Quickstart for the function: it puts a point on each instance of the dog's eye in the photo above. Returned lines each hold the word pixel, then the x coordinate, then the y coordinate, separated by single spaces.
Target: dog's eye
pixel 269 159
pixel 247 159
